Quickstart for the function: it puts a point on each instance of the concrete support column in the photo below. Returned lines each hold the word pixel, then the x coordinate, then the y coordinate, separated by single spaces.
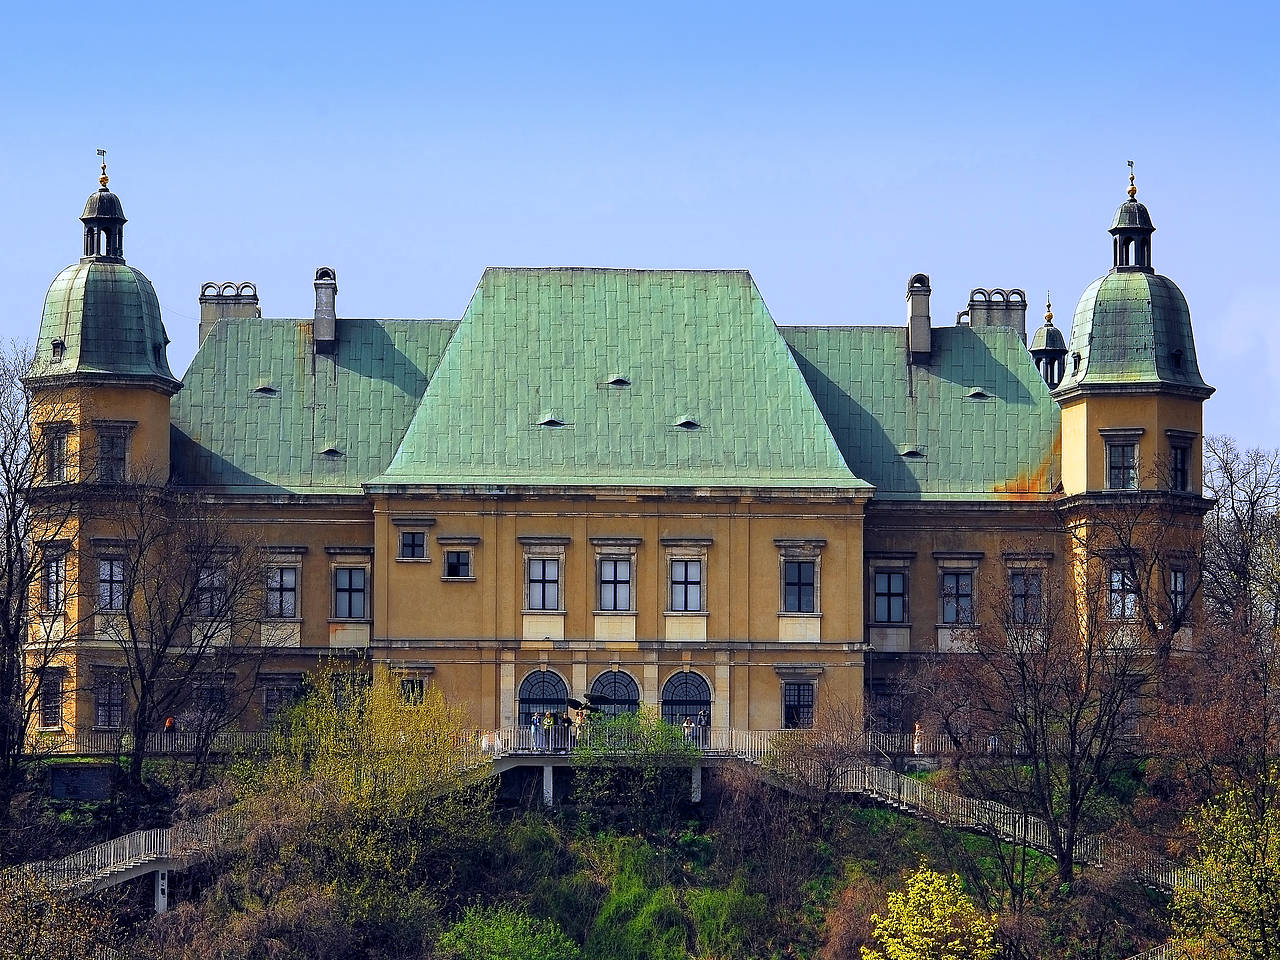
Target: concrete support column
pixel 695 786
pixel 548 784
pixel 162 891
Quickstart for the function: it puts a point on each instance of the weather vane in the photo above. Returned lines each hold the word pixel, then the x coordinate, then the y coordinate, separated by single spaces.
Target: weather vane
pixel 1133 190
pixel 103 179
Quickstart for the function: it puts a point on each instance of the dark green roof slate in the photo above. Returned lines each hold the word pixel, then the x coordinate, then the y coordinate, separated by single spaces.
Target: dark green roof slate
pixel 108 318
pixel 1130 328
pixel 976 421
pixel 261 412
pixel 538 346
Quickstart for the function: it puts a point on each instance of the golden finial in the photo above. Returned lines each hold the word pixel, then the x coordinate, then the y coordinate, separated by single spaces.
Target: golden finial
pixel 1048 309
pixel 1133 190
pixel 103 179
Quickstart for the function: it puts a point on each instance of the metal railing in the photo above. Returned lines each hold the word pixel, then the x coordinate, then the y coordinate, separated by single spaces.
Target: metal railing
pixel 188 840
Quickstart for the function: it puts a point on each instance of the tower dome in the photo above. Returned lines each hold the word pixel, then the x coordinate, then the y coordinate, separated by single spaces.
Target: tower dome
pixel 1132 327
pixel 1047 348
pixel 101 319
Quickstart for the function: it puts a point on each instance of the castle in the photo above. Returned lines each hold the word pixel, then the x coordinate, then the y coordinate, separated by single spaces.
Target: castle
pixel 629 483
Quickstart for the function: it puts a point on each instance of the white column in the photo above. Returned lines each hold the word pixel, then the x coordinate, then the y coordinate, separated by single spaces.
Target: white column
pixel 162 891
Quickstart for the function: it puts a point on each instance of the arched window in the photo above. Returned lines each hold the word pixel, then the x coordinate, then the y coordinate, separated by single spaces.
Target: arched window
pixel 615 693
pixel 685 694
pixel 541 691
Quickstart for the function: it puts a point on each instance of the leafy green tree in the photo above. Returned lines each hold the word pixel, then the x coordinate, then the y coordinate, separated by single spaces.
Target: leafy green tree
pixel 637 765
pixel 40 923
pixel 933 919
pixel 1229 907
pixel 502 932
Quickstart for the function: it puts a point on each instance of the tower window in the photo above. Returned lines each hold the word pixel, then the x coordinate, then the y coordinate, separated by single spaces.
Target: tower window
pixel 1179 473
pixel 1122 594
pixel 59 350
pixel 1122 466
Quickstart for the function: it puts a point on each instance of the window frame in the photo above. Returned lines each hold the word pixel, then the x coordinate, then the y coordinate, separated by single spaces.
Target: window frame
pixel 449 564
pixel 350 591
pixel 805 706
pixel 1122 599
pixel 799 586
pixel 417 547
pixel 682 585
pixel 890 571
pixel 959 614
pixel 113 603
pixel 114 431
pixel 1129 477
pixel 112 681
pixel 53 580
pixel 273 599
pixel 56 440
pixel 1019 617
pixel 48 676
pixel 210 599
pixel 1179 598
pixel 607 589
pixel 542 582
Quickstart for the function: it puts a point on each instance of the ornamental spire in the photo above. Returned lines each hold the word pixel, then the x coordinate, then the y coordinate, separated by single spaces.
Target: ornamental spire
pixel 1133 190
pixel 103 179
pixel 1048 309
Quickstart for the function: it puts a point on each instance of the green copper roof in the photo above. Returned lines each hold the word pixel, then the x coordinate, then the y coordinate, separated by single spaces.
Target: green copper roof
pixel 976 421
pixel 1047 337
pixel 260 412
pixel 1130 328
pixel 574 376
pixel 106 315
pixel 1132 215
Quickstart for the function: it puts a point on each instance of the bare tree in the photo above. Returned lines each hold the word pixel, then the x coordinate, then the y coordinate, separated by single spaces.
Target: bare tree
pixel 34 573
pixel 187 618
pixel 821 759
pixel 1043 698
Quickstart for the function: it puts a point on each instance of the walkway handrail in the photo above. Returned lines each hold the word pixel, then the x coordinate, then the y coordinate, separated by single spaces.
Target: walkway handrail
pixel 194 838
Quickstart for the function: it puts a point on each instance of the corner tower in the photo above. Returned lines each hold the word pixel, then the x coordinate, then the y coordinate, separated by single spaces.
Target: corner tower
pixel 100 374
pixel 1131 391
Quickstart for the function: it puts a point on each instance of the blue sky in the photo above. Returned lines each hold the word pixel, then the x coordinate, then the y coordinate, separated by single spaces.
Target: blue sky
pixel 834 150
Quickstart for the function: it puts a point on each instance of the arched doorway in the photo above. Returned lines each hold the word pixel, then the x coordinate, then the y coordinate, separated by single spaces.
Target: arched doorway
pixel 541 691
pixel 685 694
pixel 615 693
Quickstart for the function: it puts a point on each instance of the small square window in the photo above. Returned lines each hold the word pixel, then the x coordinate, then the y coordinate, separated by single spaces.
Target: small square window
pixel 412 689
pixel 457 564
pixel 413 545
pixel 1122 466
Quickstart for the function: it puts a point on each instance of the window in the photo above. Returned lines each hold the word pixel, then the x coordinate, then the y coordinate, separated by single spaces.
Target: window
pixel 457 564
pixel 890 588
pixel 686 694
pixel 282 593
pixel 110 584
pixel 1122 595
pixel 798 581
pixel 1178 593
pixel 112 454
pixel 108 700
pixel 615 583
pixel 50 706
pixel 412 689
pixel 1026 588
pixel 1179 474
pixel 349 593
pixel 413 545
pixel 211 592
pixel 541 691
pixel 686 586
pixel 1122 466
pixel 55 454
pixel 53 582
pixel 797 704
pixel 957 596
pixel 544 583
pixel 279 694
pixel 615 693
